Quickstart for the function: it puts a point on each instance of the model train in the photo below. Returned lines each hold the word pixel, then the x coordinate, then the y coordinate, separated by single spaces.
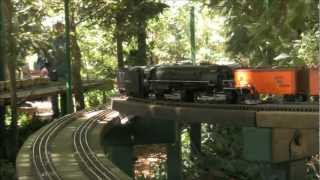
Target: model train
pixel 234 85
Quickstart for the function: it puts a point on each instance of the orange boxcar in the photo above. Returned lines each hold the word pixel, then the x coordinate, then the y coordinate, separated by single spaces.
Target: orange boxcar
pixel 268 81
pixel 314 81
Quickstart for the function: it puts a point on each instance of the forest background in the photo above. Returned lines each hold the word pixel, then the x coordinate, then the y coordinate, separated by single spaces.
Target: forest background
pixel 109 34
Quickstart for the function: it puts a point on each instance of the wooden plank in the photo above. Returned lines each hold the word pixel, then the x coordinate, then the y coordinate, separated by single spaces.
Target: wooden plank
pixel 186 114
pixel 298 170
pixel 53 88
pixel 278 145
pixel 284 147
pixel 257 144
pixel 174 158
pixel 2 86
pixel 278 119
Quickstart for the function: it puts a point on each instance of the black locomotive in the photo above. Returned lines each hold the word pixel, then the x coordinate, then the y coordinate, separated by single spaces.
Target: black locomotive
pixel 188 80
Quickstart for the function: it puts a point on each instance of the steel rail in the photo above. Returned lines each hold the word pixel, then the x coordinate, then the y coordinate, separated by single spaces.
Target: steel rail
pixel 41 160
pixel 38 158
pixel 108 173
pixel 88 158
pixel 81 152
pixel 40 154
pixel 91 152
pixel 303 107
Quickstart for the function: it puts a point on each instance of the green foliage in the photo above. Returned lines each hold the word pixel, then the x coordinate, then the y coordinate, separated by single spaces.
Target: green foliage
pixel 26 128
pixel 306 49
pixel 26 125
pixel 130 12
pixel 29 32
pixel 98 54
pixel 158 171
pixel 221 156
pixel 259 31
pixel 256 33
pixel 126 18
pixel 7 170
pixel 191 168
pixel 96 98
pixel 313 168
pixel 169 35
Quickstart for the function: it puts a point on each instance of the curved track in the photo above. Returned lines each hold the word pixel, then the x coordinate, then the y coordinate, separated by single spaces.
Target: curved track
pixel 91 164
pixel 41 159
pixel 42 163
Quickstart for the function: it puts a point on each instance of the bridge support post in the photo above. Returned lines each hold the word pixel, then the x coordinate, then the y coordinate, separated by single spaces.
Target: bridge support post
pixel 63 104
pixel 195 138
pixel 122 156
pixel 55 106
pixel 2 128
pixel 285 149
pixel 174 161
pixel 2 78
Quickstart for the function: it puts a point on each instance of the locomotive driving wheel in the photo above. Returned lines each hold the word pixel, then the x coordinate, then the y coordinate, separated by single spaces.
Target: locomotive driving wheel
pixel 187 96
pixel 159 95
pixel 231 97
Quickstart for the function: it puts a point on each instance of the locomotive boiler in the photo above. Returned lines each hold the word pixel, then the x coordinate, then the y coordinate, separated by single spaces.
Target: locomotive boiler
pixel 188 80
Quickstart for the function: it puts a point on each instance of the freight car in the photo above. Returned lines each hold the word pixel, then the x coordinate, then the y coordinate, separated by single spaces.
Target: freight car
pixel 313 77
pixel 293 84
pixel 235 86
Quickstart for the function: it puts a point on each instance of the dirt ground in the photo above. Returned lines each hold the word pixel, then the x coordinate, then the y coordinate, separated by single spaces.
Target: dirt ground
pixel 148 156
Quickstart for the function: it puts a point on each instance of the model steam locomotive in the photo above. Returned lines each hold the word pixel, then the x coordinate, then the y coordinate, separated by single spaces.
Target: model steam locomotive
pixel 233 85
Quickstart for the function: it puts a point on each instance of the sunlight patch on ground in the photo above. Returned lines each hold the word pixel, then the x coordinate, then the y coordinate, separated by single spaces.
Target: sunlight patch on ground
pixel 148 157
pixel 43 108
pixel 91 114
pixel 112 115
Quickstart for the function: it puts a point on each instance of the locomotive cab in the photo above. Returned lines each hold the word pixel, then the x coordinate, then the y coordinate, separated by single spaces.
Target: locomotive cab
pixel 121 81
pixel 134 82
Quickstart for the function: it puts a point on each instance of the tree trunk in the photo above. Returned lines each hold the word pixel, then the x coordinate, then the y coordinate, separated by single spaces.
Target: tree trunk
pixel 284 12
pixel 76 68
pixel 2 78
pixel 11 57
pixel 142 44
pixel 119 40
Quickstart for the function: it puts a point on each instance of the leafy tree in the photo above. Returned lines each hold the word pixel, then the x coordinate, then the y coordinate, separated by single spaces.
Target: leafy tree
pixel 99 55
pixel 30 34
pixel 142 11
pixel 169 35
pixel 10 55
pixel 2 78
pixel 259 31
pixel 76 56
pixel 128 19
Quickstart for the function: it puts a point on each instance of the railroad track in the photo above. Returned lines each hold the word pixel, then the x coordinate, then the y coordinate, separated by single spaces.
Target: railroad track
pixel 259 107
pixel 89 161
pixel 41 160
